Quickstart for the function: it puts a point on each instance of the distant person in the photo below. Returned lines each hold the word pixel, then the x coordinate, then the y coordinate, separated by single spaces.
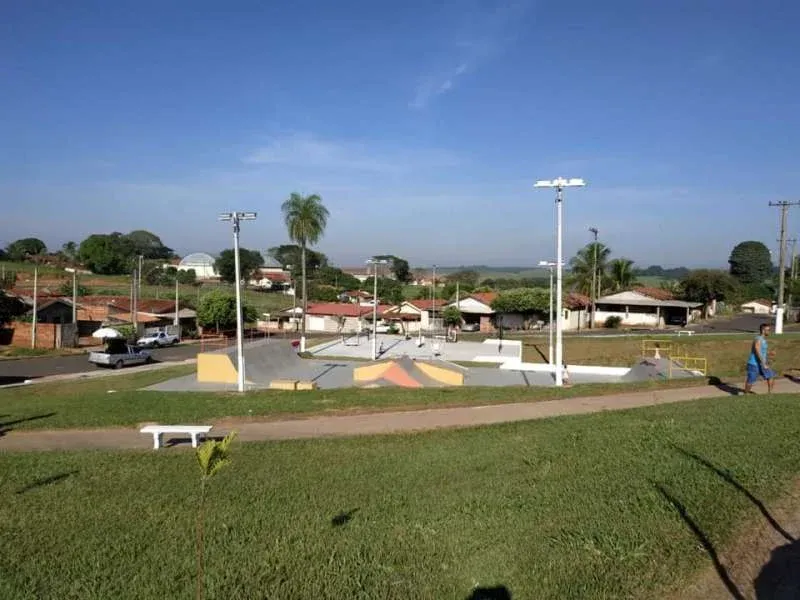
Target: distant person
pixel 757 363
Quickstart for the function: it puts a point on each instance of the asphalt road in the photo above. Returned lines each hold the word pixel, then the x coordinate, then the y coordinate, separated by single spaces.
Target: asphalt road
pixel 18 370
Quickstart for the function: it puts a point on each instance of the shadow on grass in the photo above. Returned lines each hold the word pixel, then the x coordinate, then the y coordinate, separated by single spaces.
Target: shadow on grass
pixel 343 518
pixel 779 578
pixel 6 427
pixel 701 537
pixel 725 387
pixel 728 478
pixel 45 481
pixel 499 592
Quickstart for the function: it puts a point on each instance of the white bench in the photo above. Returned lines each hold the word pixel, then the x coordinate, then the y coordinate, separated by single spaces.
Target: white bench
pixel 160 430
pixel 685 332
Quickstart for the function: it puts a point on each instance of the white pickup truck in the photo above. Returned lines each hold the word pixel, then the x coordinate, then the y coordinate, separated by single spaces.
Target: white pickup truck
pixel 118 354
pixel 158 340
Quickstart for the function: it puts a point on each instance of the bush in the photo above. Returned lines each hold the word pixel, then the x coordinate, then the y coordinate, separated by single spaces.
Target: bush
pixel 613 322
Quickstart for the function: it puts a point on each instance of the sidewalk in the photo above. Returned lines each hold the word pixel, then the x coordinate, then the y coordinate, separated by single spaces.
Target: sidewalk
pixel 375 423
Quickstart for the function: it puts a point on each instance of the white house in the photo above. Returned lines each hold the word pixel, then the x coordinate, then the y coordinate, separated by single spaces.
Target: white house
pixel 646 307
pixel 335 317
pixel 417 314
pixel 759 306
pixel 271 279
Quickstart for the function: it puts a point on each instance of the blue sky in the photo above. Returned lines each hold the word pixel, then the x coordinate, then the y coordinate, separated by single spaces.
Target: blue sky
pixel 422 125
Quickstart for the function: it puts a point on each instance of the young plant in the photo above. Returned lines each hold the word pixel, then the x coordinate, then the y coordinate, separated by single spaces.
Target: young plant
pixel 212 457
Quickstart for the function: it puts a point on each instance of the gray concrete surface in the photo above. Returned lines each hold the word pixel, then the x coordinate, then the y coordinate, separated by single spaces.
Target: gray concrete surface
pixel 395 346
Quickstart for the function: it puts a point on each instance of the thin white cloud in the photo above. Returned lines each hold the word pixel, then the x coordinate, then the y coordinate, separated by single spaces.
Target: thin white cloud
pixel 484 35
pixel 312 153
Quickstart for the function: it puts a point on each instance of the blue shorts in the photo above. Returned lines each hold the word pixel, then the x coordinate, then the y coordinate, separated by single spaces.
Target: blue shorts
pixel 756 371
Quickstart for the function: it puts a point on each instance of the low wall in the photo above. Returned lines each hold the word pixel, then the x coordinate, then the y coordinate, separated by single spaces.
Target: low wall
pixel 48 335
pixel 584 369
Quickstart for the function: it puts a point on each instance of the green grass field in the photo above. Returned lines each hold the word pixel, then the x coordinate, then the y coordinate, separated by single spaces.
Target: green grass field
pixel 119 400
pixel 576 507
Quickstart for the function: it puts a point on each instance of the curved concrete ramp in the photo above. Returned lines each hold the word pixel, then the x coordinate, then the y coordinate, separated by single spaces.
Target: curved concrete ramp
pixel 405 372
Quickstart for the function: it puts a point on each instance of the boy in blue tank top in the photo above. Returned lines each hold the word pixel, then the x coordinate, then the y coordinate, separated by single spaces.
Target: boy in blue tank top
pixel 757 362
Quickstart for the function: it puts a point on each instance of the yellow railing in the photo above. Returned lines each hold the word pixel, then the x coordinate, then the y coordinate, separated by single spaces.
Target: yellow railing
pixel 697 364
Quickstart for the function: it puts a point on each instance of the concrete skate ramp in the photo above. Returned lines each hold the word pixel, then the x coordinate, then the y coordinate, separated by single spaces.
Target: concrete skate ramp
pixel 656 369
pixel 405 372
pixel 267 360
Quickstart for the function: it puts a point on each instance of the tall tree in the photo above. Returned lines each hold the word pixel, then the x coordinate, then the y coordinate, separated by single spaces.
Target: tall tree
pixel 148 245
pixel 399 266
pixel 249 262
pixel 69 251
pixel 621 274
pixel 25 248
pixel 291 254
pixel 106 254
pixel 582 267
pixel 750 262
pixel 707 285
pixel 306 218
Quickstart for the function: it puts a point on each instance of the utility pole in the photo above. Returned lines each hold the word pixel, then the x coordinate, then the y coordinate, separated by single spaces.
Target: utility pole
pixel 433 303
pixel 177 321
pixel 779 312
pixel 139 277
pixel 594 277
pixel 35 305
pixel 792 272
pixel 75 295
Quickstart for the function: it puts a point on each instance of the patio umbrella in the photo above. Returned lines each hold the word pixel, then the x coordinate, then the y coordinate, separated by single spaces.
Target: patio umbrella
pixel 106 332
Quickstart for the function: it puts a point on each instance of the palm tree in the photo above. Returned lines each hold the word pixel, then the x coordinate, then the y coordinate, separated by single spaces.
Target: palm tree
pixel 305 218
pixel 621 274
pixel 583 267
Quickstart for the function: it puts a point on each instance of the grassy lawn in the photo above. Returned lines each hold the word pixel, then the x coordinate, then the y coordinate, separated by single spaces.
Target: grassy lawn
pixel 726 355
pixel 92 403
pixel 562 508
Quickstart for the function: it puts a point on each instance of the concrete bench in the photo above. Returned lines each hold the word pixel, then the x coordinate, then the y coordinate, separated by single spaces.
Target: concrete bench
pixel 685 332
pixel 306 385
pixel 160 430
pixel 283 384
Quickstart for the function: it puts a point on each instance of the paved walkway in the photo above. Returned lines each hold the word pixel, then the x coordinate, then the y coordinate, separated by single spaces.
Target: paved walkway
pixel 378 422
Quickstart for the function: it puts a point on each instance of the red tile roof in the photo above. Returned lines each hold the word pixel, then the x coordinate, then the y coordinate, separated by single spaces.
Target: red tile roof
pixel 428 303
pixel 761 301
pixel 276 276
pixel 655 293
pixel 486 297
pixel 337 309
pixel 149 305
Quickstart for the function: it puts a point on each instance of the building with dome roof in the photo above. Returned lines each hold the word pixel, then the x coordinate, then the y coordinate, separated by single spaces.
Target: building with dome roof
pixel 202 263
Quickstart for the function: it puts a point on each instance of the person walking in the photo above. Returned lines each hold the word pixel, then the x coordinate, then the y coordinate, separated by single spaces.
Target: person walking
pixel 757 365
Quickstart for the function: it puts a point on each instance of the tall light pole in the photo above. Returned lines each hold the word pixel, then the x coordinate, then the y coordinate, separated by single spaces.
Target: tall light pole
pixel 594 277
pixel 779 312
pixel 375 262
pixel 433 303
pixel 549 265
pixel 294 296
pixel 235 218
pixel 559 184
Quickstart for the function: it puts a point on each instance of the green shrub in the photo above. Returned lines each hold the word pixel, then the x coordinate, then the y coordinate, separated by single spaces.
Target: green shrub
pixel 613 322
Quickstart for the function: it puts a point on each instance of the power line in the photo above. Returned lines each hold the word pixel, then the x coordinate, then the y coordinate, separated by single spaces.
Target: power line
pixel 784 206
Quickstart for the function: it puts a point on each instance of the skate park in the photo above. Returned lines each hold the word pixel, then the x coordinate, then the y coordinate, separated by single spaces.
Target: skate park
pixel 403 362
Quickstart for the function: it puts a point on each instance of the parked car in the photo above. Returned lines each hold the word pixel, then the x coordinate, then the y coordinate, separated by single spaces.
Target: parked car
pixel 158 340
pixel 470 327
pixel 118 354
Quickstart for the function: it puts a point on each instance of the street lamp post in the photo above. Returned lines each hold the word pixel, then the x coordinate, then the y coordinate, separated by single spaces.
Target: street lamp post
pixel 549 265
pixel 594 277
pixel 235 218
pixel 375 262
pixel 559 184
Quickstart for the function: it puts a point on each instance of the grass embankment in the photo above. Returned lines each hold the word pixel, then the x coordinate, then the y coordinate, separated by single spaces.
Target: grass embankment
pixel 726 355
pixel 120 401
pixel 575 507
pixel 12 352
